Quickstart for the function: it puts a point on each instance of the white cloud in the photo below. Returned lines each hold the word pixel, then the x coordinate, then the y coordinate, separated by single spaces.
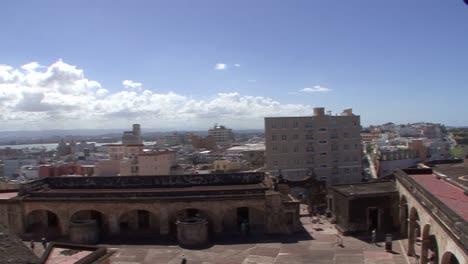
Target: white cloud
pixel 60 96
pixel 31 66
pixel 237 65
pixel 252 81
pixel 220 66
pixel 102 92
pixel 132 84
pixel 315 89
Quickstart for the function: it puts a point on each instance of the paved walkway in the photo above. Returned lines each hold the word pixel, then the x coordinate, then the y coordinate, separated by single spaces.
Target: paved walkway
pixel 319 247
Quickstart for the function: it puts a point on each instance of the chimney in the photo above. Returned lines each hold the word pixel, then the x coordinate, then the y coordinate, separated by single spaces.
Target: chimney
pixel 319 111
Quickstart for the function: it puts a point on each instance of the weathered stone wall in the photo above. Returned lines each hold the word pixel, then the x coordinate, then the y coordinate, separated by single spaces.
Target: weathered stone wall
pixel 124 182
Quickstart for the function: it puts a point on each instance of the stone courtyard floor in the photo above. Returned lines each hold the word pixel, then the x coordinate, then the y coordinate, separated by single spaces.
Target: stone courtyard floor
pixel 317 244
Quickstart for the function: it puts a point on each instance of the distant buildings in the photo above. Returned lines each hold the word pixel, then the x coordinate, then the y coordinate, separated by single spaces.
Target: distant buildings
pixel 132 137
pixel 221 134
pixel 146 164
pixel 325 145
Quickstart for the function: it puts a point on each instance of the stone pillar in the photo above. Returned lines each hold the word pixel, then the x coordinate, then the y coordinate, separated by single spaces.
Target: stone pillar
pixel 411 237
pixel 404 220
pixel 114 228
pixel 424 250
pixel 164 227
pixel 217 225
pixel 64 223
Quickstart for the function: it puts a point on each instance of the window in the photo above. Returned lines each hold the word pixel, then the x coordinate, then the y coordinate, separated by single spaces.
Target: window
pixel 354 123
pixel 345 135
pixel 284 137
pixel 323 153
pixel 284 149
pixel 273 125
pixel 346 147
pixel 296 148
pixel 334 136
pixel 309 137
pixel 355 170
pixel 295 137
pixel 298 162
pixel 323 166
pixel 355 158
pixel 275 163
pixel 346 170
pixel 309 125
pixel 274 148
pixel 284 124
pixel 295 124
pixel 323 142
pixel 335 170
pixel 323 129
pixel 355 146
pixel 310 148
pixel 310 161
pixel 334 148
pixel 273 138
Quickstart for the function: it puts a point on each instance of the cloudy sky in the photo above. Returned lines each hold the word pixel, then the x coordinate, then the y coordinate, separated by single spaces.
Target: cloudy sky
pixel 189 64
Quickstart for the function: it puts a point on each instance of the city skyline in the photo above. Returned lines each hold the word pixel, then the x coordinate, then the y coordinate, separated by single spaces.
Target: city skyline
pixel 186 66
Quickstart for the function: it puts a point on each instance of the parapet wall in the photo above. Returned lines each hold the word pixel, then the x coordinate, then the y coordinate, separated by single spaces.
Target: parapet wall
pixel 123 182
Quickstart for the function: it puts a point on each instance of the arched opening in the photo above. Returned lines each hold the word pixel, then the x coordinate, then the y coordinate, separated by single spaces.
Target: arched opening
pixel 414 234
pixel 86 215
pixel 449 258
pixel 138 223
pixel 43 223
pixel 403 217
pixel 190 213
pixel 429 247
pixel 244 220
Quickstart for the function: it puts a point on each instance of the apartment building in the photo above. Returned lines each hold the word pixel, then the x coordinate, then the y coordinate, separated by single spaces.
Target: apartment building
pixel 158 163
pixel 132 137
pixel 221 134
pixel 327 145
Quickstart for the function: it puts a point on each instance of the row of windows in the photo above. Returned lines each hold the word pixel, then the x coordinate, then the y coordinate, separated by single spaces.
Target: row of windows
pixel 310 148
pixel 311 136
pixel 296 124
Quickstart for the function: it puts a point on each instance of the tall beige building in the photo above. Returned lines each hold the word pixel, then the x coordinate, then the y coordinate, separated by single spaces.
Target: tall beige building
pixel 221 134
pixel 327 145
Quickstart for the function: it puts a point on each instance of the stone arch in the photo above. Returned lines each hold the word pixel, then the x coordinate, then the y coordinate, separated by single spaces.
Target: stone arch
pixel 449 258
pixel 92 214
pixel 188 212
pixel 429 246
pixel 404 214
pixel 234 217
pixel 44 223
pixel 139 222
pixel 414 233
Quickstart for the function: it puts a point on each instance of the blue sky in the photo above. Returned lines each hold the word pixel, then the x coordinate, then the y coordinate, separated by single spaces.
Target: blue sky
pixel 400 61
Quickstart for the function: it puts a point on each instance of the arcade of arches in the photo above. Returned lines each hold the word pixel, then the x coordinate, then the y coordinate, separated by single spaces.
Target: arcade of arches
pixel 423 239
pixel 143 220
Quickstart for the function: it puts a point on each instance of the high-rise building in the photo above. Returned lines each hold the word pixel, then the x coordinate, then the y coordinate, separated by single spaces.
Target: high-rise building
pixel 326 145
pixel 221 134
pixel 132 137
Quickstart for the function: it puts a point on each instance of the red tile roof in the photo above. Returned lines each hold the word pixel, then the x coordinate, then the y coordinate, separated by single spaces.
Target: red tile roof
pixel 449 194
pixel 8 195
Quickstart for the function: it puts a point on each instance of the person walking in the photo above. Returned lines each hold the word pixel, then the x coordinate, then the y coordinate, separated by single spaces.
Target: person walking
pixel 44 242
pixel 374 236
pixel 32 245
